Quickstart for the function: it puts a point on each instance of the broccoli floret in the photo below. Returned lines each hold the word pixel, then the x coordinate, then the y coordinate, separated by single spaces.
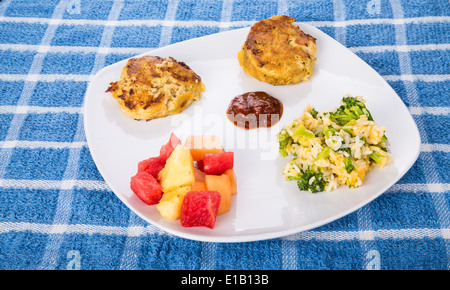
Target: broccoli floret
pixel 324 153
pixel 284 139
pixel 348 164
pixel 303 135
pixel 303 179
pixel 349 131
pixel 303 132
pixel 345 149
pixel 383 148
pixel 351 109
pixel 313 113
pixel 376 156
pixel 329 132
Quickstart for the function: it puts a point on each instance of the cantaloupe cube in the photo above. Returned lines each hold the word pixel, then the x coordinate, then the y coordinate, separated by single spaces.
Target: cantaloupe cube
pixel 230 173
pixel 222 184
pixel 199 183
pixel 198 186
pixel 178 171
pixel 170 204
pixel 201 145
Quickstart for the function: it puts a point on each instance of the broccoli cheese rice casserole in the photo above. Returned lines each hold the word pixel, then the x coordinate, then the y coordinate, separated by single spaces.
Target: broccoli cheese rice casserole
pixel 332 149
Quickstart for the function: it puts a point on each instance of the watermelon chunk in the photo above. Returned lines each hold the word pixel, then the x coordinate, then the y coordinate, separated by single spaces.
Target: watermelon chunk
pixel 168 148
pixel 199 164
pixel 200 208
pixel 218 163
pixel 146 187
pixel 152 165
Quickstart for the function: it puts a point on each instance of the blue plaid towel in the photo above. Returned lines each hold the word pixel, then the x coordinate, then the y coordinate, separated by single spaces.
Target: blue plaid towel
pixel 56 212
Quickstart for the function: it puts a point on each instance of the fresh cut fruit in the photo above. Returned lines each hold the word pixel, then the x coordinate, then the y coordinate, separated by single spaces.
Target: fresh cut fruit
pixel 167 149
pixel 217 163
pixel 192 183
pixel 178 170
pixel 152 165
pixel 199 165
pixel 221 184
pixel 146 187
pixel 199 175
pixel 201 145
pixel 230 173
pixel 200 209
pixel 170 204
pixel 198 185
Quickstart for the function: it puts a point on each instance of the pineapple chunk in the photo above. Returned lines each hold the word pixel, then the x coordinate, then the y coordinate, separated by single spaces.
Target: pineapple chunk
pixel 170 204
pixel 178 171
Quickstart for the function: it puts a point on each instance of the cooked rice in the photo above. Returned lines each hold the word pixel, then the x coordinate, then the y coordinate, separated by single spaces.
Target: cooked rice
pixel 361 136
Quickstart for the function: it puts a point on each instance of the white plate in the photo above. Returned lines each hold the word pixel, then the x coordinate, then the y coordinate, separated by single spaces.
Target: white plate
pixel 266 205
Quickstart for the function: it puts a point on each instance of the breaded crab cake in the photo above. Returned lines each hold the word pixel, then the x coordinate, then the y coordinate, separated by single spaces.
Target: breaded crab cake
pixel 277 52
pixel 153 87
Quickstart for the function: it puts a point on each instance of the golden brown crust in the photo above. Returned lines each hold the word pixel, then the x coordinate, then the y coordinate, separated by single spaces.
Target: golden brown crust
pixel 153 87
pixel 277 52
